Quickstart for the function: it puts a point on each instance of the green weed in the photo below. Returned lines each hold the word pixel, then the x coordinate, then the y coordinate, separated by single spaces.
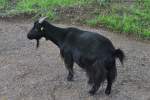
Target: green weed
pixel 3 4
pixel 132 20
pixel 45 7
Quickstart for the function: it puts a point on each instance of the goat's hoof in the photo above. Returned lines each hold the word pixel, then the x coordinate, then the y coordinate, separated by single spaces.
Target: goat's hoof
pixel 91 92
pixel 107 92
pixel 69 78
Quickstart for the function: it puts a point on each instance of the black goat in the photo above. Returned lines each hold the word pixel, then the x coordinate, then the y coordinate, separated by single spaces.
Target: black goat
pixel 91 51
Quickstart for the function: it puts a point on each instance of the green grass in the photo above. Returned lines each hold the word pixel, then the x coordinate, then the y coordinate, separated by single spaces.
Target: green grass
pixel 132 20
pixel 34 5
pixel 45 7
pixel 126 24
pixel 3 4
pixel 38 7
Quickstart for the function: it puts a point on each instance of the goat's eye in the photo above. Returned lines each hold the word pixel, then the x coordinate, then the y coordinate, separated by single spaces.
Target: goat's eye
pixel 42 28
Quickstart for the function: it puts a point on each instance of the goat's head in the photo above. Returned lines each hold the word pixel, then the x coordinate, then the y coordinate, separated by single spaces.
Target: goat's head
pixel 38 31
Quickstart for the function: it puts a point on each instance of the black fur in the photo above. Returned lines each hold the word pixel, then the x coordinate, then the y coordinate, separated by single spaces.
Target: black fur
pixel 91 51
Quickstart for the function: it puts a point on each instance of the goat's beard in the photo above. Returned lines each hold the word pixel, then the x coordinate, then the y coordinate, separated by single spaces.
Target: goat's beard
pixel 37 43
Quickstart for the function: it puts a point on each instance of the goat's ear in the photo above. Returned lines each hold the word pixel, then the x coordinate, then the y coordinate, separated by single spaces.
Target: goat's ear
pixel 42 19
pixel 42 28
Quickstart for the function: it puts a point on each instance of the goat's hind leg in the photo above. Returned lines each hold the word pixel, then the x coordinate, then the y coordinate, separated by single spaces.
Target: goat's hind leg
pixel 90 75
pixel 97 82
pixel 111 75
pixel 98 78
pixel 95 87
pixel 90 81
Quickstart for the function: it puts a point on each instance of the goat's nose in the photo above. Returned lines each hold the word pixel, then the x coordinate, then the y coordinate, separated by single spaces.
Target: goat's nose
pixel 29 36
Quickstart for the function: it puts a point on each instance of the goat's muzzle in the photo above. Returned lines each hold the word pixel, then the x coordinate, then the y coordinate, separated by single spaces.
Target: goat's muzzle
pixel 30 37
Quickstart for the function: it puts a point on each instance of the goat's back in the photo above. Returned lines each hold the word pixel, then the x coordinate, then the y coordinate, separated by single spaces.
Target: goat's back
pixel 88 43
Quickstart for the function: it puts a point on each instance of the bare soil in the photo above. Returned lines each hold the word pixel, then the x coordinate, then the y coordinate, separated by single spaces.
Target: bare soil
pixel 27 73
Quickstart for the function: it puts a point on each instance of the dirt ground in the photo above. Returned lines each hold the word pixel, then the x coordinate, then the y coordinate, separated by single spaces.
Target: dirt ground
pixel 27 73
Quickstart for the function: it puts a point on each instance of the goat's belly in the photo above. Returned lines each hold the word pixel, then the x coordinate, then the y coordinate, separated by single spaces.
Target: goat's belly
pixel 83 59
pixel 83 62
pixel 76 58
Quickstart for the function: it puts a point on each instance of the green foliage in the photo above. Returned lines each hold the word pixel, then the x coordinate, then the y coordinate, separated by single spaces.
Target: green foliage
pixel 45 7
pixel 46 4
pixel 103 2
pixel 132 20
pixel 92 22
pixel 3 4
pixel 125 18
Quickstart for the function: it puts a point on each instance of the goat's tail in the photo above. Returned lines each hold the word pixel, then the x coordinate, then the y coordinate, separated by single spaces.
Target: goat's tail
pixel 120 54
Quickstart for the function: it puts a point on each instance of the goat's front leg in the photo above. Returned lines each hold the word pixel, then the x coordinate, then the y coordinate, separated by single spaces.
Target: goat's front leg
pixel 70 74
pixel 69 65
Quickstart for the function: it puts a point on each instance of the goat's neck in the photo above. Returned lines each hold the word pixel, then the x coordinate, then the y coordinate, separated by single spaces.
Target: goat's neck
pixel 55 34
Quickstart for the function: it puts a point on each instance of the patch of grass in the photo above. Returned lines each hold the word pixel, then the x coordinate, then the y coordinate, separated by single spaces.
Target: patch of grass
pixel 132 20
pixel 45 7
pixel 103 2
pixel 3 4
pixel 37 7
